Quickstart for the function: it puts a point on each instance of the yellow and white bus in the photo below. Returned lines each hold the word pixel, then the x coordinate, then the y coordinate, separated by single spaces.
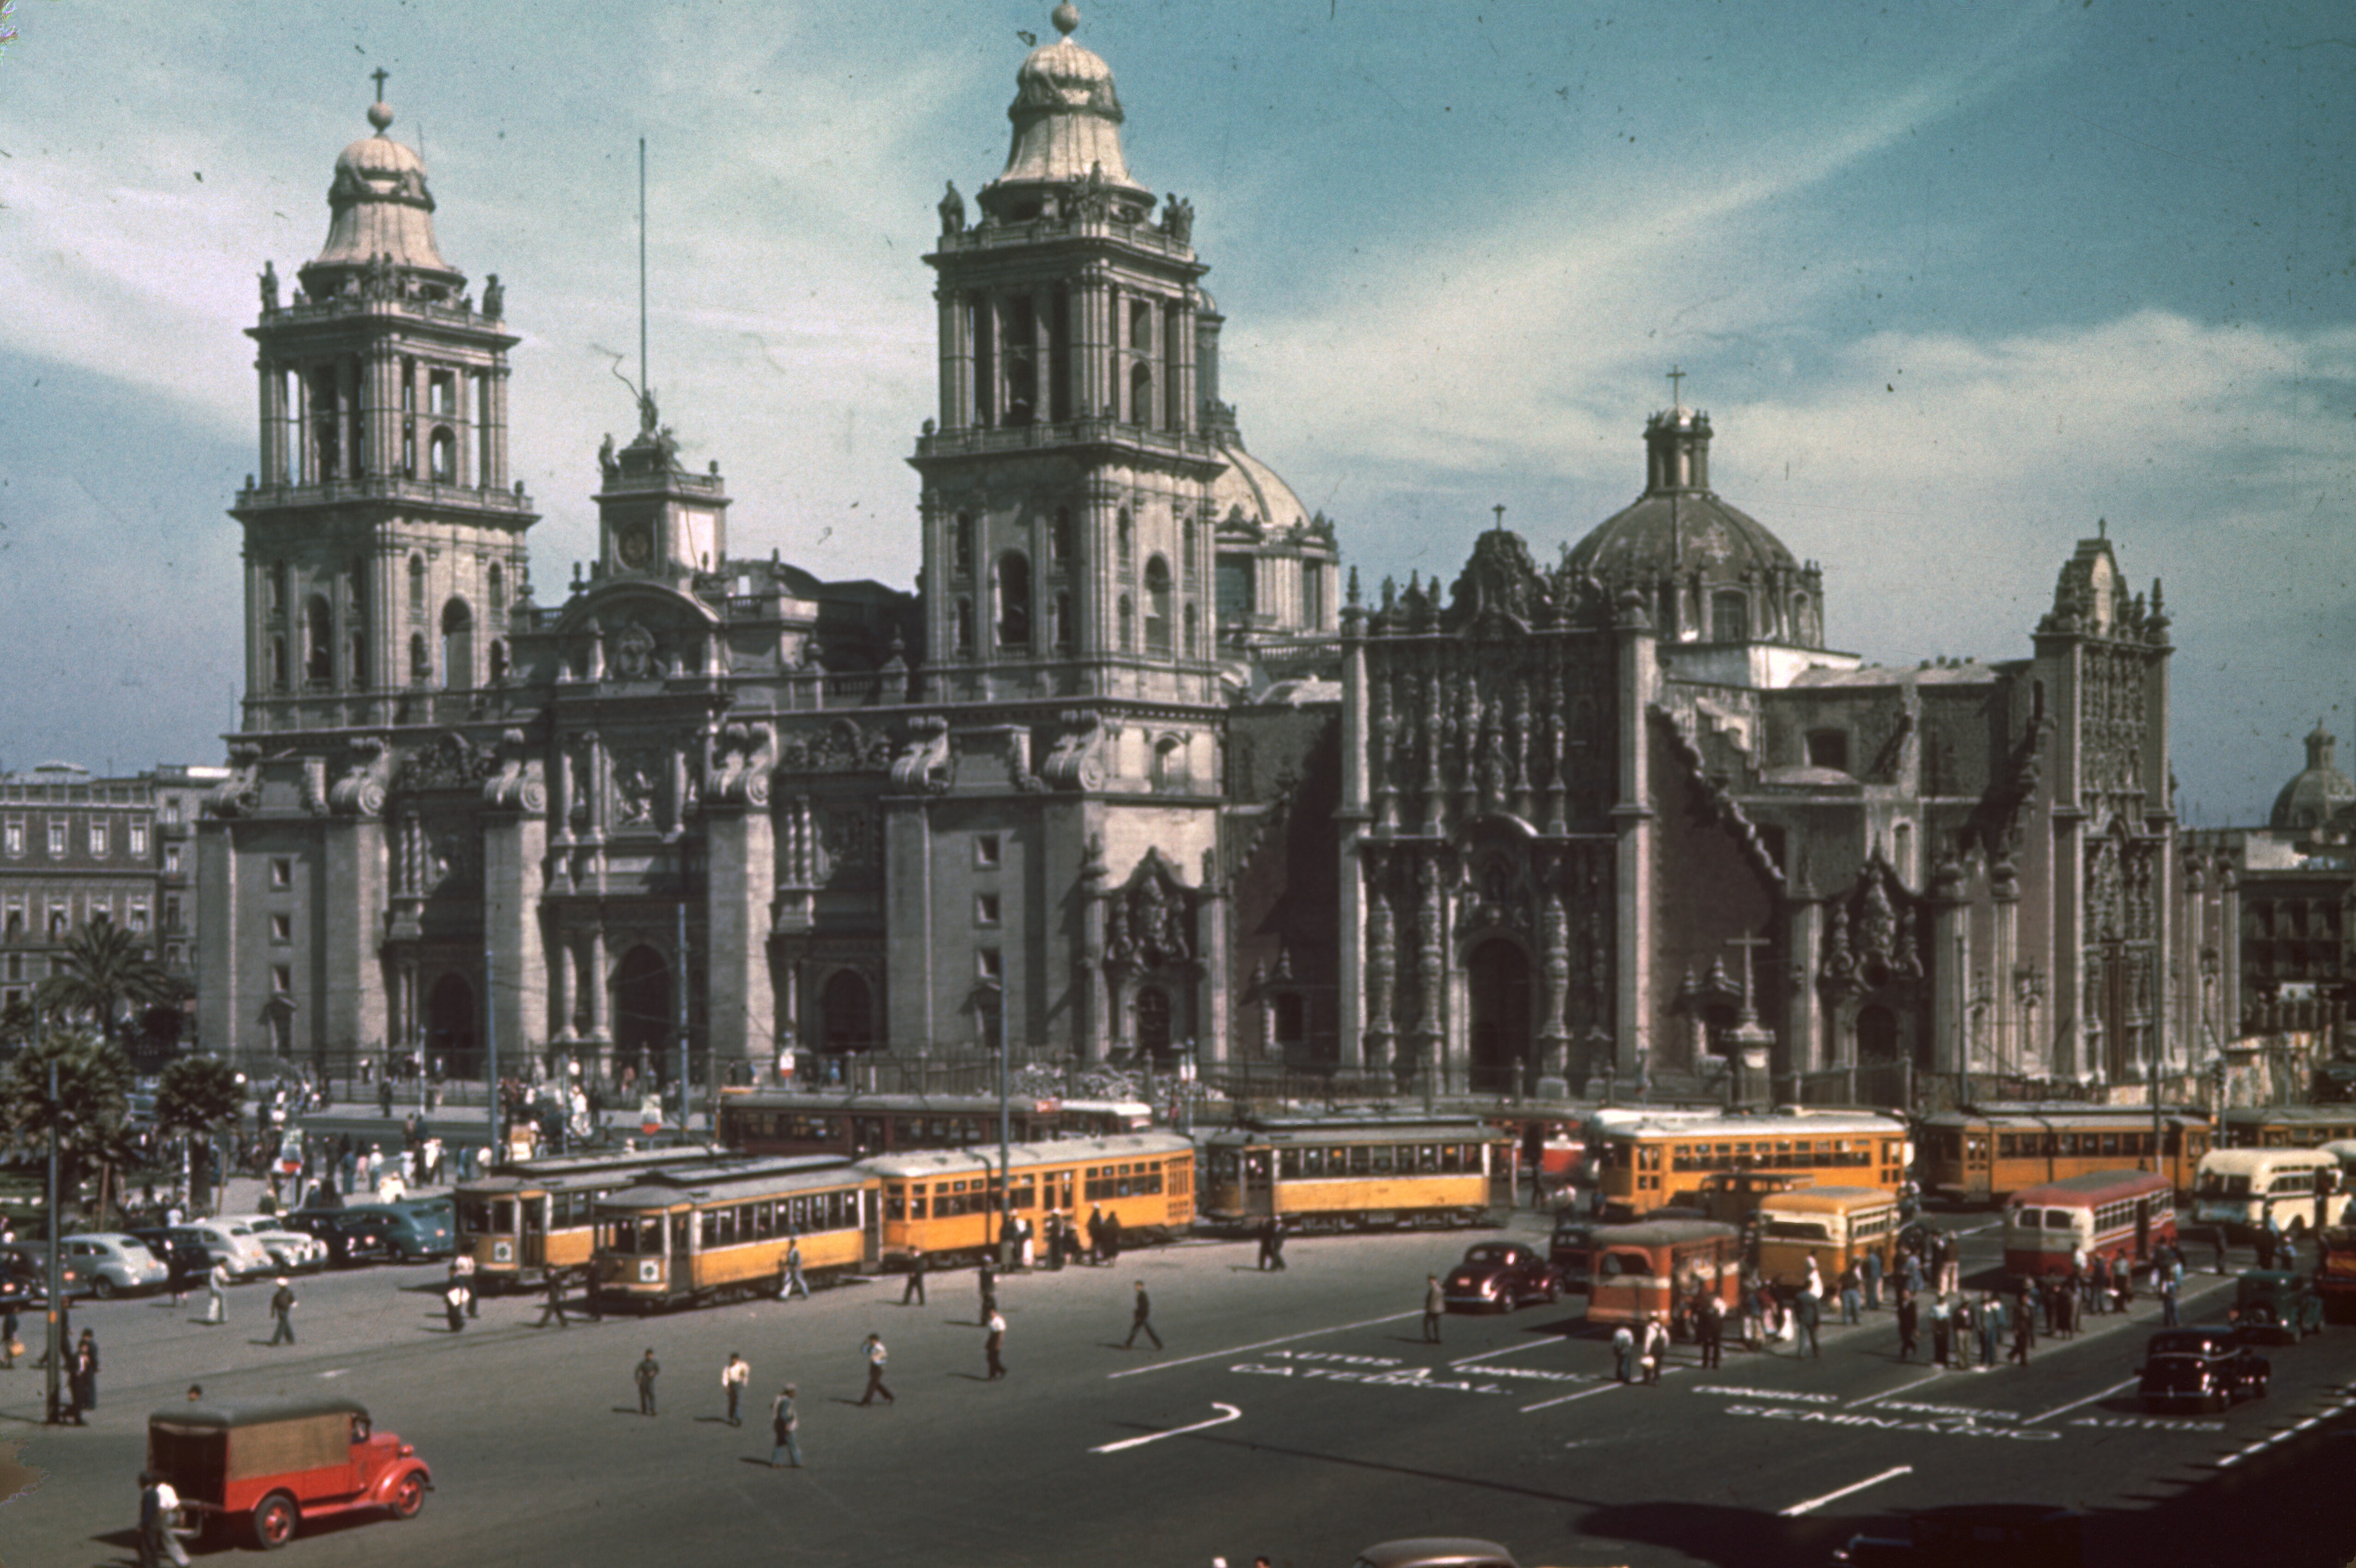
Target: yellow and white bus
pixel 1837 1226
pixel 2243 1189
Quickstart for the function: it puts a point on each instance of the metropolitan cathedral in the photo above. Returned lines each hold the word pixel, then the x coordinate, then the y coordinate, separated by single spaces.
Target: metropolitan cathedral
pixel 1133 772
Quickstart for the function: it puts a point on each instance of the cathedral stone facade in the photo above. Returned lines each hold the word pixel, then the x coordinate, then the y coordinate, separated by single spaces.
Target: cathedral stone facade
pixel 1129 774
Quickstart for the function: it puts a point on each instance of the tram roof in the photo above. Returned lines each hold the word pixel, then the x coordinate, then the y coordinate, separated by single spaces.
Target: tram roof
pixel 2043 1111
pixel 2091 1187
pixel 1346 1124
pixel 722 1187
pixel 1737 1125
pixel 853 1103
pixel 2295 1115
pixel 925 1163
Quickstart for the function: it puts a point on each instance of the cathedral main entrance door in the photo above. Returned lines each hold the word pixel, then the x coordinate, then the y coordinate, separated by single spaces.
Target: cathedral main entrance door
pixel 1498 978
pixel 1154 1024
pixel 642 1009
pixel 450 1027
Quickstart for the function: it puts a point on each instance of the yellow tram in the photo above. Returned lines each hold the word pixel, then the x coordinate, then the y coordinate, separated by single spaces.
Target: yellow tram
pixel 681 1238
pixel 1358 1171
pixel 945 1200
pixel 532 1215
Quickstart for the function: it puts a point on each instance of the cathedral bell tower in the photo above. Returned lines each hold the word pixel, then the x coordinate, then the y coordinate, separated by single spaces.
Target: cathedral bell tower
pixel 1069 538
pixel 383 543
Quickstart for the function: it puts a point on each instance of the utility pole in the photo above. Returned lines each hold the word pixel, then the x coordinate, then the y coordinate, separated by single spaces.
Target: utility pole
pixel 683 1082
pixel 491 1041
pixel 57 1275
pixel 1005 1170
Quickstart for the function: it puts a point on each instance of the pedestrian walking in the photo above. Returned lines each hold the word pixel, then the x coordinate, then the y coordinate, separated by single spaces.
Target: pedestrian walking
pixel 1806 1314
pixel 462 1268
pixel 1266 1243
pixel 876 1356
pixel 913 1291
pixel 1950 1264
pixel 1908 1327
pixel 733 1379
pixel 2123 1283
pixel 216 1292
pixel 2168 1291
pixel 1053 1235
pixel 1141 1320
pixel 794 1281
pixel 1754 1313
pixel 782 1420
pixel 454 1303
pixel 1656 1348
pixel 1435 1304
pixel 987 1278
pixel 159 1518
pixel 645 1372
pixel 10 1345
pixel 1112 1237
pixel 551 1303
pixel 1989 1319
pixel 1276 1229
pixel 2098 1284
pixel 1623 1353
pixel 1709 1329
pixel 1852 1293
pixel 1942 1325
pixel 282 1307
pixel 83 1377
pixel 2024 1325
pixel 994 1345
pixel 2269 1238
pixel 1872 1272
pixel 1095 1233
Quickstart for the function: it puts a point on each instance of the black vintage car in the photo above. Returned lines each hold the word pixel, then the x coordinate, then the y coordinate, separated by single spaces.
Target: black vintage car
pixel 2276 1304
pixel 2203 1368
pixel 353 1235
pixel 1498 1276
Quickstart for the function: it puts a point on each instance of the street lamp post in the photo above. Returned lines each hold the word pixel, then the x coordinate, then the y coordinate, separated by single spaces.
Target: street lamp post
pixel 56 1275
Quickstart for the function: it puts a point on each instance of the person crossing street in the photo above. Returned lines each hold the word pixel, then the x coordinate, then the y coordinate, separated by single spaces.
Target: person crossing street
pixel 282 1307
pixel 876 1356
pixel 1435 1305
pixel 733 1379
pixel 913 1291
pixel 993 1343
pixel 645 1372
pixel 783 1421
pixel 1141 1320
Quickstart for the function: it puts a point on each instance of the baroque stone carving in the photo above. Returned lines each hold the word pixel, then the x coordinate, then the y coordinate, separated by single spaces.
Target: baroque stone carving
pixel 360 792
pixel 923 766
pixel 520 785
pixel 842 747
pixel 1149 924
pixel 634 652
pixel 1075 761
pixel 449 761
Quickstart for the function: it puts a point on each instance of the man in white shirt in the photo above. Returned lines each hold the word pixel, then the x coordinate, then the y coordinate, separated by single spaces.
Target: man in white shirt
pixel 159 1517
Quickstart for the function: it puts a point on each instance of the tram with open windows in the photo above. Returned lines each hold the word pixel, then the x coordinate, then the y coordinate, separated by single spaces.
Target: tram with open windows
pixel 948 1202
pixel 531 1217
pixel 1645 1164
pixel 783 1122
pixel 1983 1154
pixel 687 1236
pixel 2285 1126
pixel 1336 1173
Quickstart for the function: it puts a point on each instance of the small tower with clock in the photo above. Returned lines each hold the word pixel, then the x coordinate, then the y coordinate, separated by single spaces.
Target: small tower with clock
pixel 655 519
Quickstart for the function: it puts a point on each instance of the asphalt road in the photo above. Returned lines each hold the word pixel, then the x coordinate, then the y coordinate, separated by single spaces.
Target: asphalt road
pixel 1295 1414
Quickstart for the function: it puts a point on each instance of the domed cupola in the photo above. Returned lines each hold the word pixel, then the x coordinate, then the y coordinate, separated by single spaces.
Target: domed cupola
pixel 1067 121
pixel 1709 572
pixel 2317 794
pixel 381 225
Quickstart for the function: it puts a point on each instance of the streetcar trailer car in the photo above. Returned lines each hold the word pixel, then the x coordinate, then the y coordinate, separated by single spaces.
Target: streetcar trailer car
pixel 271 1464
pixel 536 1214
pixel 1654 1268
pixel 788 1122
pixel 945 1201
pixel 1984 1154
pixel 2103 1211
pixel 1358 1171
pixel 1649 1164
pixel 2284 1126
pixel 687 1236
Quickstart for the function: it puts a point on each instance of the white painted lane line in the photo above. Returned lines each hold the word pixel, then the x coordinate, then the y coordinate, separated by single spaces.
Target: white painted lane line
pixel 1239 1349
pixel 1903 1388
pixel 1233 1414
pixel 2288 1432
pixel 1590 1393
pixel 2090 1399
pixel 1796 1509
pixel 1508 1350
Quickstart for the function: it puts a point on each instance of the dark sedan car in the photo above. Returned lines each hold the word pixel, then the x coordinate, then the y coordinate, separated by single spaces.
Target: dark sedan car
pixel 353 1235
pixel 1498 1276
pixel 2206 1367
pixel 2274 1304
pixel 29 1260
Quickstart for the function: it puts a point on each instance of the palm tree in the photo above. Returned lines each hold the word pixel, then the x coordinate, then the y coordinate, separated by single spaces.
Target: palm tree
pixel 94 1088
pixel 104 972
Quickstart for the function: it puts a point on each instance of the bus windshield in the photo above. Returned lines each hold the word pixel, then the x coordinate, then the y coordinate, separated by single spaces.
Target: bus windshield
pixel 2219 1184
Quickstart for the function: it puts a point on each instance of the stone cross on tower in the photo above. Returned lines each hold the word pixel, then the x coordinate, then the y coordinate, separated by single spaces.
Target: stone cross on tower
pixel 1749 1012
pixel 1500 509
pixel 1752 1043
pixel 380 73
pixel 1676 376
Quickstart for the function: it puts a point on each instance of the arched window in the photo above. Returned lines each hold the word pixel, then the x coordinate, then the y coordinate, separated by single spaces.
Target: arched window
pixel 277 591
pixel 417 587
pixel 961 547
pixel 326 427
pixel 1124 536
pixel 498 660
pixel 963 629
pixel 846 1012
pixel 421 661
pixel 318 641
pixel 1194 649
pixel 496 597
pixel 1127 626
pixel 1013 600
pixel 1170 763
pixel 1140 393
pixel 1730 616
pixel 444 453
pixel 1157 606
pixel 458 645
pixel 1059 537
pixel 278 662
pixel 1665 617
pixel 1803 621
pixel 1063 630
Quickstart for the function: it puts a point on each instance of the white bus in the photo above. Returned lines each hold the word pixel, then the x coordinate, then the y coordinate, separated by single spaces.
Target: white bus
pixel 2242 1189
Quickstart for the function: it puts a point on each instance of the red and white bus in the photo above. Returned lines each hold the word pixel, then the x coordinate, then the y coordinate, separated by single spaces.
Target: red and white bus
pixel 2109 1212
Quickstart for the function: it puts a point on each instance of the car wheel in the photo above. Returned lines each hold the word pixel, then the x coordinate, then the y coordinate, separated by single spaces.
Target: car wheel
pixel 102 1288
pixel 409 1497
pixel 274 1518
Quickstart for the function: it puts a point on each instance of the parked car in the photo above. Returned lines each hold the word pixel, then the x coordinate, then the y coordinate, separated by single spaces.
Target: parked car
pixel 184 1267
pixel 204 1248
pixel 30 1261
pixel 2207 1367
pixel 413 1236
pixel 351 1236
pixel 293 1252
pixel 115 1263
pixel 1498 1276
pixel 2272 1304
pixel 269 1464
pixel 1975 1535
pixel 248 1258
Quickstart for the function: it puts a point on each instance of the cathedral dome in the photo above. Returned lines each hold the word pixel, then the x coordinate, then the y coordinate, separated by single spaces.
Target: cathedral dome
pixel 1066 115
pixel 2319 793
pixel 380 207
pixel 1252 491
pixel 1708 570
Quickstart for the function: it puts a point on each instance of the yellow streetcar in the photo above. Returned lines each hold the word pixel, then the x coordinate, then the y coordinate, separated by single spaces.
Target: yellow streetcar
pixel 532 1215
pixel 1359 1172
pixel 945 1200
pixel 682 1238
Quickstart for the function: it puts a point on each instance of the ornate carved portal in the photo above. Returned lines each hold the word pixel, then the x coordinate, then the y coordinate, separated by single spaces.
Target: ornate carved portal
pixel 1872 973
pixel 1152 962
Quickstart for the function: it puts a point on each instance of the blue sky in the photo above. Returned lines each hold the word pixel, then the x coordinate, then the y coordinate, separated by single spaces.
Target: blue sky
pixel 1953 280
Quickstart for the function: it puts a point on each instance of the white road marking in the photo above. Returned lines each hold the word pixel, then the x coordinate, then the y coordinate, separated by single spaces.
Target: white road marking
pixel 1870 1399
pixel 1590 1393
pixel 1508 1350
pixel 335 1372
pixel 2230 1460
pixel 2090 1399
pixel 1233 1414
pixel 1239 1349
pixel 1796 1509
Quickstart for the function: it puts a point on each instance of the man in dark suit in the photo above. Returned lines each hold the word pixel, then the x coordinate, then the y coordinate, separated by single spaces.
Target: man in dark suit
pixel 914 1290
pixel 1142 1318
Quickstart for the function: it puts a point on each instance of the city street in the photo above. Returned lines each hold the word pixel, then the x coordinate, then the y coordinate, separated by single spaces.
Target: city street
pixel 1296 1415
